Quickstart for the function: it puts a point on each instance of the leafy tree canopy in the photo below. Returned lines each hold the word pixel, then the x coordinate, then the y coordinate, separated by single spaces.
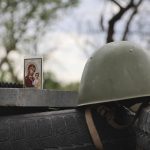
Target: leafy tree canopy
pixel 22 24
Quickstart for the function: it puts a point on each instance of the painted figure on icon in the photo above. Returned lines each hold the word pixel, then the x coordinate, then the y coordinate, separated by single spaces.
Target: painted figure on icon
pixel 29 78
pixel 33 73
pixel 36 82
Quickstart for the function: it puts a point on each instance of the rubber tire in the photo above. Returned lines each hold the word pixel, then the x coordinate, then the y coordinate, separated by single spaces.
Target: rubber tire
pixel 113 138
pixel 10 85
pixel 62 130
pixel 142 127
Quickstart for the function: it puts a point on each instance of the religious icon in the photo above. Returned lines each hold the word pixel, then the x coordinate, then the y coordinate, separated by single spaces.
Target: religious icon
pixel 33 74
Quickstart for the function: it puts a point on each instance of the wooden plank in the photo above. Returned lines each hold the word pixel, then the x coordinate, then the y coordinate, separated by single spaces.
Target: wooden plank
pixel 38 98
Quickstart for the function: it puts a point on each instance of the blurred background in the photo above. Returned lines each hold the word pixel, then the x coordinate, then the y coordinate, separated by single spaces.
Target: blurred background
pixel 65 33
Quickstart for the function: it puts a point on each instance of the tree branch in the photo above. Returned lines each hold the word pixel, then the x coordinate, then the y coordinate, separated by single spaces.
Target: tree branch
pixel 11 70
pixel 128 24
pixel 130 19
pixel 3 60
pixel 117 4
pixel 101 23
pixel 114 19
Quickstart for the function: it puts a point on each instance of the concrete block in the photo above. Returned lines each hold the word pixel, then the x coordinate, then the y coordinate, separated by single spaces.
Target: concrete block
pixel 37 98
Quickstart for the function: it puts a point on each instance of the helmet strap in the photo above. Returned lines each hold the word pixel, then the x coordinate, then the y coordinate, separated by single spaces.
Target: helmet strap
pixel 92 129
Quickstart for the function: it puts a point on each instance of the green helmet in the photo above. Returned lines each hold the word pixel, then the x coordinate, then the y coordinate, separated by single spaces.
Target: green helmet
pixel 117 71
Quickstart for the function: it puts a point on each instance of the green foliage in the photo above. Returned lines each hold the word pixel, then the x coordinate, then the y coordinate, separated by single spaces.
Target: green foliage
pixel 71 86
pixel 50 82
pixel 23 23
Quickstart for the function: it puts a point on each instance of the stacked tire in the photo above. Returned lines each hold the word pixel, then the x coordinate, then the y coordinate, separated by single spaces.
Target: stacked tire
pixel 10 85
pixel 142 128
pixel 42 129
pixel 62 130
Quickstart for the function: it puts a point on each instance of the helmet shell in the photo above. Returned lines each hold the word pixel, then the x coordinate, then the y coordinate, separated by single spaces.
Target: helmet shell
pixel 117 71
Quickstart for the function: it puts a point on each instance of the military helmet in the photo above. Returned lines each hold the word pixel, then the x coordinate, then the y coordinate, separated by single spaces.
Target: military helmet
pixel 117 71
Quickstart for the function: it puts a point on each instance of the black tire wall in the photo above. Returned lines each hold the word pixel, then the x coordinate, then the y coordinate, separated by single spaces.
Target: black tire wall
pixel 10 85
pixel 142 128
pixel 44 131
pixel 62 130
